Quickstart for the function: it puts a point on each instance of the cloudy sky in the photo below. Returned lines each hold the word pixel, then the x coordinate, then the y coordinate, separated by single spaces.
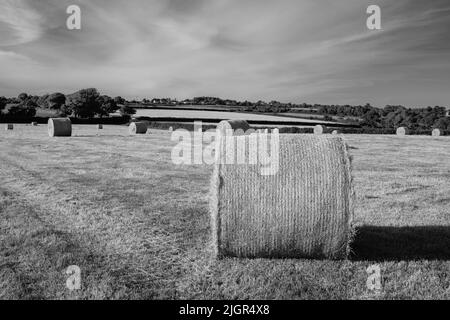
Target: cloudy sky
pixel 317 51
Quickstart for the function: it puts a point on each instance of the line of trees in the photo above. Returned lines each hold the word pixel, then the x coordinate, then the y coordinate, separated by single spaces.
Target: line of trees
pixel 399 116
pixel 85 103
pixel 89 103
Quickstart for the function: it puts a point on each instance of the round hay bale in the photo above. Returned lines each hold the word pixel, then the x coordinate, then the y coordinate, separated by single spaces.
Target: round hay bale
pixel 276 130
pixel 9 126
pixel 304 210
pixel 34 124
pixel 59 127
pixel 402 131
pixel 335 132
pixel 100 127
pixel 138 128
pixel 171 129
pixel 319 129
pixel 436 132
pixel 228 126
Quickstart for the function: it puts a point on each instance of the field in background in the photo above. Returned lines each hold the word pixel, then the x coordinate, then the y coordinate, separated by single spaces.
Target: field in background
pixel 138 226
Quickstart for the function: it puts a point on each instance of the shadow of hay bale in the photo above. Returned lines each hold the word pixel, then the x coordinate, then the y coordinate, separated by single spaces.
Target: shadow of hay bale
pixel 401 243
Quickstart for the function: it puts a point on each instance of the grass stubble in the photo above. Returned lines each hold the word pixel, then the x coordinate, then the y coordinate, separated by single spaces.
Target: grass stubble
pixel 138 226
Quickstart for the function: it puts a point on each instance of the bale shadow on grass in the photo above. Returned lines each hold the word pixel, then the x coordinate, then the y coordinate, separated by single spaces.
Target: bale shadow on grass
pixel 378 243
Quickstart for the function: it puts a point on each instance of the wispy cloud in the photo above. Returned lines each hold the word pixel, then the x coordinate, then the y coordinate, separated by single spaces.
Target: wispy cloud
pixel 21 24
pixel 316 51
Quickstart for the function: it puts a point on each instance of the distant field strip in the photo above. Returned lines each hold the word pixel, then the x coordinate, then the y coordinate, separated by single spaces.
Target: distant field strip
pixel 159 113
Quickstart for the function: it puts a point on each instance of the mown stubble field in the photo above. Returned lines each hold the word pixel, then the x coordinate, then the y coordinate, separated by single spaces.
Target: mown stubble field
pixel 138 225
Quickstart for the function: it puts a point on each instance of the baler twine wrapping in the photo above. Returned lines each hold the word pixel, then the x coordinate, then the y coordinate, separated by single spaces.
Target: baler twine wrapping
pixel 401 131
pixel 59 127
pixel 239 127
pixel 436 133
pixel 305 210
pixel 137 128
pixel 319 129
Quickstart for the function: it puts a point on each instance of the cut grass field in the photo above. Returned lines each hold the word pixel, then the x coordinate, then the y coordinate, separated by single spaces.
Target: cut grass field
pixel 138 225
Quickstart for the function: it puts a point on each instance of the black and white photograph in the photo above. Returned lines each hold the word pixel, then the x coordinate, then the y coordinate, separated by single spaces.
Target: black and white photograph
pixel 241 152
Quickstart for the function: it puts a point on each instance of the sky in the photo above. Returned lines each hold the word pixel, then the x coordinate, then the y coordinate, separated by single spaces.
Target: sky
pixel 313 51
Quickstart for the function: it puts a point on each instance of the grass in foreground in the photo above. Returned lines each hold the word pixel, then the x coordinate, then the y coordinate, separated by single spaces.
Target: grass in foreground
pixel 138 226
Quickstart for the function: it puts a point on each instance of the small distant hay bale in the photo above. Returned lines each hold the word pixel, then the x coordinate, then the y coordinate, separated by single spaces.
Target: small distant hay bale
pixel 34 124
pixel 9 126
pixel 276 130
pixel 319 129
pixel 59 127
pixel 436 132
pixel 171 129
pixel 138 128
pixel 304 210
pixel 266 131
pixel 402 131
pixel 99 126
pixel 335 132
pixel 238 127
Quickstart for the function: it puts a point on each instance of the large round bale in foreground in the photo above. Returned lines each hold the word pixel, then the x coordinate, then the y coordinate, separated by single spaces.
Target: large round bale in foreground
pixel 436 132
pixel 304 210
pixel 238 127
pixel 402 131
pixel 319 129
pixel 138 128
pixel 59 127
pixel 9 126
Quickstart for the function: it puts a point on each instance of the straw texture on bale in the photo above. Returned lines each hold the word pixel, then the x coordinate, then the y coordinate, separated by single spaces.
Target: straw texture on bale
pixel 239 127
pixel 319 129
pixel 138 128
pixel 401 131
pixel 59 127
pixel 305 210
pixel 436 133
pixel 9 126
